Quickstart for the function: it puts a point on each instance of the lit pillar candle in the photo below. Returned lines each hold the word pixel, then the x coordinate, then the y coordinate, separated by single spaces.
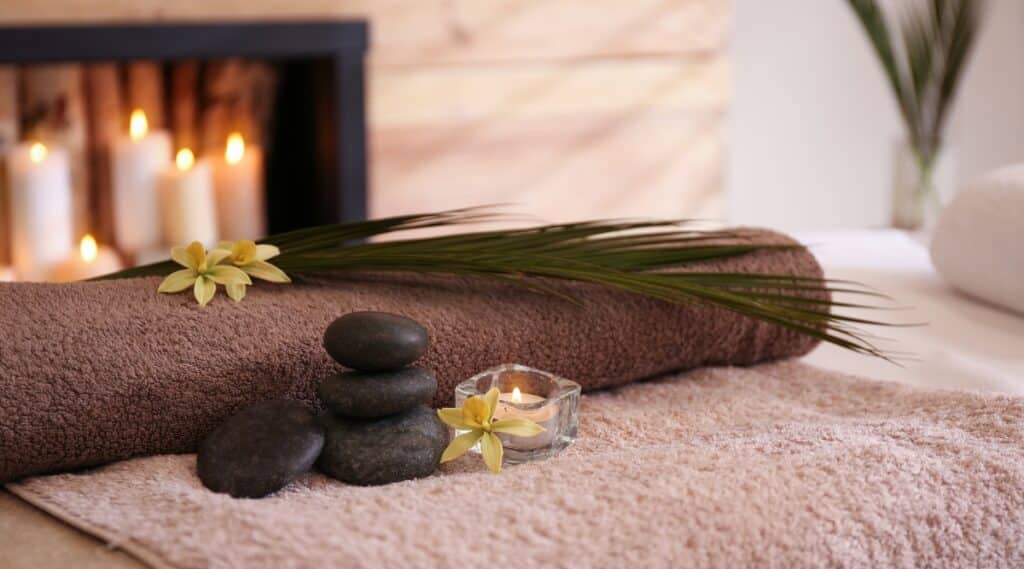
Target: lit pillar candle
pixel 91 261
pixel 138 161
pixel 238 179
pixel 41 219
pixel 186 202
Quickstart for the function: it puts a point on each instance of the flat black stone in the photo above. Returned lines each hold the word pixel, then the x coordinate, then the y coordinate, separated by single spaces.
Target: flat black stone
pixel 368 452
pixel 377 394
pixel 375 341
pixel 260 449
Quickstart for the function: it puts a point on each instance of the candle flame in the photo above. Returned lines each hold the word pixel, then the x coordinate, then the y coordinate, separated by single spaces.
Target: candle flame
pixel 37 152
pixel 517 396
pixel 185 159
pixel 138 125
pixel 235 149
pixel 88 248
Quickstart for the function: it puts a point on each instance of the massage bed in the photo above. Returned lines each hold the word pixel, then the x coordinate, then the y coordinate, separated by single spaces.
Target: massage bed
pixel 967 345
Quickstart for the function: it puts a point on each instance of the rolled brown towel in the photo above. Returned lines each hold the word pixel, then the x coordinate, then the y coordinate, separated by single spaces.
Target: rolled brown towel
pixel 96 372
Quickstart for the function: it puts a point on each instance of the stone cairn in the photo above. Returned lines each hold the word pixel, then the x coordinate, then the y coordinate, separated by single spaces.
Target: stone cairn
pixel 379 427
pixel 376 427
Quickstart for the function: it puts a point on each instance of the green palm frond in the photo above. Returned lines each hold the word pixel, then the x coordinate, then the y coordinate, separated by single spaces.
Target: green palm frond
pixel 651 258
pixel 924 71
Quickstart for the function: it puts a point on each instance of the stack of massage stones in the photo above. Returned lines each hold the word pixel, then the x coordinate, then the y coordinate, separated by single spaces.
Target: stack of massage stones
pixel 378 425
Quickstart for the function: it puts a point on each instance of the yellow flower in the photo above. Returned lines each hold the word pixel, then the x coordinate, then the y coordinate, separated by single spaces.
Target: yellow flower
pixel 252 259
pixel 477 417
pixel 202 272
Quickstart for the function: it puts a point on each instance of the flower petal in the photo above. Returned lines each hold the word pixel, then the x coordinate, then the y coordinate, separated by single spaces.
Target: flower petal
pixel 517 426
pixel 490 447
pixel 452 417
pixel 227 274
pixel 474 410
pixel 181 256
pixel 243 252
pixel 491 398
pixel 204 290
pixel 460 445
pixel 236 292
pixel 197 253
pixel 178 281
pixel 266 271
pixel 226 245
pixel 264 252
pixel 215 256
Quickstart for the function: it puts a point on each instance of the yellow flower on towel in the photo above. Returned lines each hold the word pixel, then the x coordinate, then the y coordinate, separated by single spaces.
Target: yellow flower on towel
pixel 477 418
pixel 252 259
pixel 203 272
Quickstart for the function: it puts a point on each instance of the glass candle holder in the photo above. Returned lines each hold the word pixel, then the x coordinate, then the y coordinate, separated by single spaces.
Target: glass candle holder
pixel 544 398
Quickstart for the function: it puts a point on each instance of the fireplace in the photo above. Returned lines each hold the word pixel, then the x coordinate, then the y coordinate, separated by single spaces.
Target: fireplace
pixel 306 121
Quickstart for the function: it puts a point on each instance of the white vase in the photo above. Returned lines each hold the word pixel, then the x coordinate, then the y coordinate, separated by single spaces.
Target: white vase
pixel 919 191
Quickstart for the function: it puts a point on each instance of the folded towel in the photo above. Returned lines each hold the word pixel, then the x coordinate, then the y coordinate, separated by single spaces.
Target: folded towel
pixel 781 465
pixel 101 371
pixel 977 242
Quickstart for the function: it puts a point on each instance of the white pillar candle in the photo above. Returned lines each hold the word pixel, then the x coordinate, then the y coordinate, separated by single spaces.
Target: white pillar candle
pixel 238 178
pixel 91 261
pixel 40 201
pixel 186 202
pixel 138 161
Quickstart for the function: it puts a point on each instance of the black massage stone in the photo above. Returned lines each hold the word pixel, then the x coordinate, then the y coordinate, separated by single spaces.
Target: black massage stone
pixel 375 341
pixel 377 394
pixel 260 449
pixel 370 452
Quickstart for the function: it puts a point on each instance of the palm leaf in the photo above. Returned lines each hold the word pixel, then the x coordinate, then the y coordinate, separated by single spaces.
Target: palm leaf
pixel 650 258
pixel 924 76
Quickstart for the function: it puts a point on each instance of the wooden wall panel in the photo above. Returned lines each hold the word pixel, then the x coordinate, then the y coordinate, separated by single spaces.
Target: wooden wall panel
pixel 564 140
pixel 658 163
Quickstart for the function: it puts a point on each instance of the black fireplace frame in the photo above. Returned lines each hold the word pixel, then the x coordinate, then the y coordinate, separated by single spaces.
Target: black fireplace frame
pixel 328 54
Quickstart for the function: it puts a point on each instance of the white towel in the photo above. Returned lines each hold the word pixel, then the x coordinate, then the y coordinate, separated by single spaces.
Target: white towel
pixel 978 245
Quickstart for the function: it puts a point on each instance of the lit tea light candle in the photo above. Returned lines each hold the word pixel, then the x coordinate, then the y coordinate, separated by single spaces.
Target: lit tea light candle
pixel 238 179
pixel 531 407
pixel 92 261
pixel 186 202
pixel 138 161
pixel 516 404
pixel 40 209
pixel 539 396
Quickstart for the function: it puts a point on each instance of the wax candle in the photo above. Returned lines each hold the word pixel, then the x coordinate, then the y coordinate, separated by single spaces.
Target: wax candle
pixel 40 209
pixel 91 261
pixel 138 161
pixel 238 179
pixel 186 202
pixel 526 406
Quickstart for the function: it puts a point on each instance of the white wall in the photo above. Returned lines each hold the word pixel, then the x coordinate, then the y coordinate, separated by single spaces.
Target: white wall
pixel 813 123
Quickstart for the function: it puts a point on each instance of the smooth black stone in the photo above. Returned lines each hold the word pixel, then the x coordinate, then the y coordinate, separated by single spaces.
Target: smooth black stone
pixel 368 452
pixel 260 449
pixel 376 394
pixel 375 341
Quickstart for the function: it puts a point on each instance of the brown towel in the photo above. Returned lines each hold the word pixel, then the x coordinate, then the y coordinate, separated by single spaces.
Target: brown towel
pixel 96 372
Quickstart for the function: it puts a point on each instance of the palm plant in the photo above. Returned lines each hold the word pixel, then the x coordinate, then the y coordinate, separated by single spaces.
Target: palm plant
pixel 634 256
pixel 923 64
